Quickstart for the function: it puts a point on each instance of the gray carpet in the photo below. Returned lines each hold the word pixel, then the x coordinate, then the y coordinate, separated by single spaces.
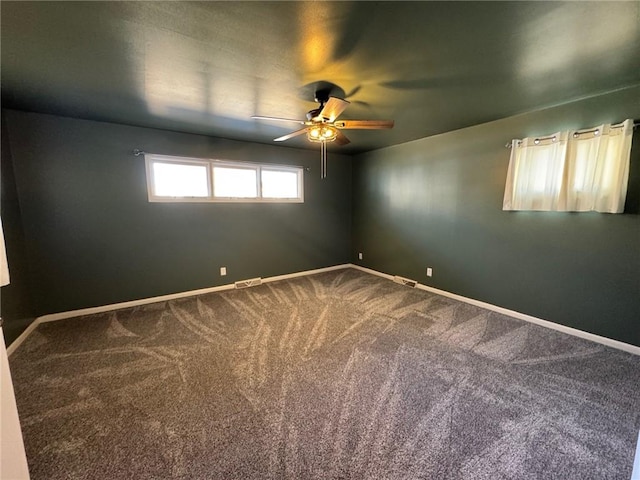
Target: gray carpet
pixel 341 375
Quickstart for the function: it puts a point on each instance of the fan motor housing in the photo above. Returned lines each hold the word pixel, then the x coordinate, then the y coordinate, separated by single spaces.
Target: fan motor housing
pixel 314 115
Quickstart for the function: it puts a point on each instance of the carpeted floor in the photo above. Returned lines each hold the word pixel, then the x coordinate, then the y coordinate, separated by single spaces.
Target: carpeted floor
pixel 341 375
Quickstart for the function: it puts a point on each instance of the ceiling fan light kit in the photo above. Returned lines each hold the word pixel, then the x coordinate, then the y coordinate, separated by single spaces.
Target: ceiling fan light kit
pixel 322 133
pixel 321 125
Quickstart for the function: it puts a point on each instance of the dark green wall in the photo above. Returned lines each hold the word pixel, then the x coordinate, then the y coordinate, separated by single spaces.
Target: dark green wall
pixel 92 238
pixel 16 306
pixel 438 202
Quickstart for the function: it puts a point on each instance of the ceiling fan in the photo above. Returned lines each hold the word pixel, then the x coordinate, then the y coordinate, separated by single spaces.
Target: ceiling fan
pixel 322 125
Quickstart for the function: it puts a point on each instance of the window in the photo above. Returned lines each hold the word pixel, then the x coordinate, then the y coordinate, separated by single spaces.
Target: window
pixel 184 179
pixel 535 173
pixel 234 182
pixel 578 171
pixel 279 183
pixel 180 179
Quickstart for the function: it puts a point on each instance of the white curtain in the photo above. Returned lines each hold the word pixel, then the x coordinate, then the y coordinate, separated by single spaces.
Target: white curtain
pixel 4 266
pixel 598 168
pixel 583 170
pixel 534 178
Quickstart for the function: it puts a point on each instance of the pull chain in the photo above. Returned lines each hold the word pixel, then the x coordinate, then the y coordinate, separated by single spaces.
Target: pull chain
pixel 323 159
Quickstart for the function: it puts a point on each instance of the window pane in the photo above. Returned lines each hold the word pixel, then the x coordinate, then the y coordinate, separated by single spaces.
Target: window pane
pixel 279 184
pixel 234 182
pixel 180 180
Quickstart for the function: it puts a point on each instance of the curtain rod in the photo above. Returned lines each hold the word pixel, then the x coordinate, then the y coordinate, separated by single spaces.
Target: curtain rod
pixel 575 134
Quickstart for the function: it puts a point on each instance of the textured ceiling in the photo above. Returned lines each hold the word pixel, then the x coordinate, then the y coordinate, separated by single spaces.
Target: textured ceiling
pixel 206 67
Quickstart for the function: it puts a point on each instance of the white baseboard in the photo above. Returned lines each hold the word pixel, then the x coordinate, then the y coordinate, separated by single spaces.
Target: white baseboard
pixel 145 301
pixel 23 336
pixel 609 342
pixel 52 317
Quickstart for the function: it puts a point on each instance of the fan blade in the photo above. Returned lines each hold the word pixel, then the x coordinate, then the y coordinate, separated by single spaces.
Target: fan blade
pixel 290 135
pixel 342 139
pixel 333 108
pixel 364 124
pixel 277 119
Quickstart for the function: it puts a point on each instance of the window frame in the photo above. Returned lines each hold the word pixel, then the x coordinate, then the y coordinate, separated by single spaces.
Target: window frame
pixel 210 164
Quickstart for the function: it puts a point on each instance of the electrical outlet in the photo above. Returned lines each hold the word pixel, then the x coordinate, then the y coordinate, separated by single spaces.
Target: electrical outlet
pixel 360 256
pixel 429 272
pixel 223 271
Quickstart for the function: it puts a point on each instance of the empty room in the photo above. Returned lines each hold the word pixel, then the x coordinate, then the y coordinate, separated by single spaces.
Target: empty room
pixel 320 240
